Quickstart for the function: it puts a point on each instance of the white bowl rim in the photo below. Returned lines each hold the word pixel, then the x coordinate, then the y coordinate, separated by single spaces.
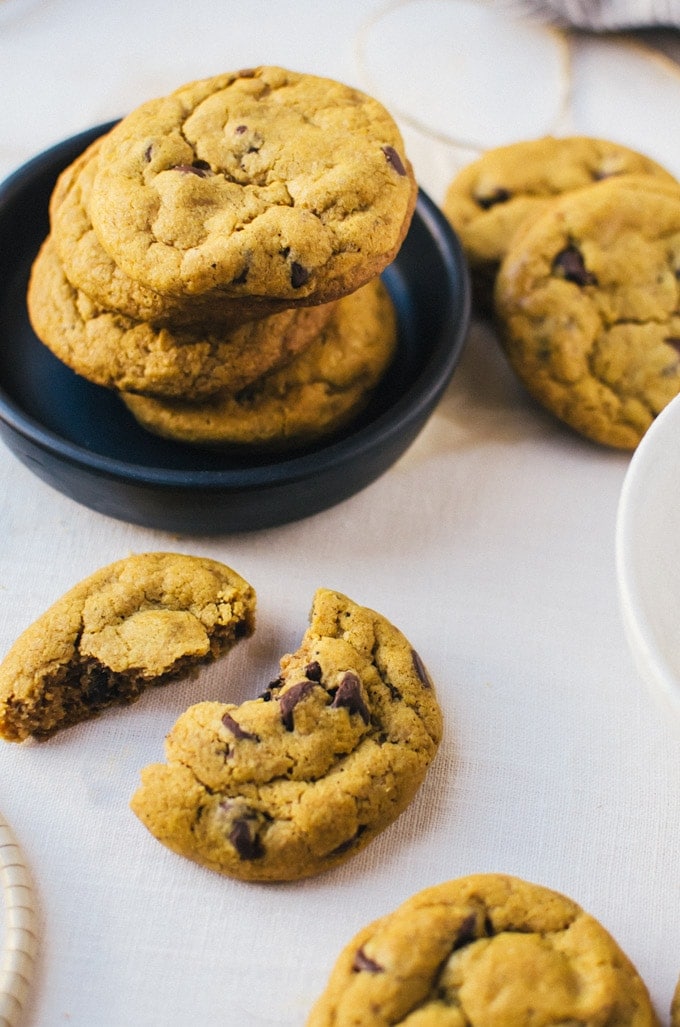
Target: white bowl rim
pixel 658 671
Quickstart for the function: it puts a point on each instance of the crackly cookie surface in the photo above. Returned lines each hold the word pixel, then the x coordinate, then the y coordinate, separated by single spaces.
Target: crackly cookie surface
pixel 90 269
pixel 298 780
pixel 486 950
pixel 588 300
pixel 317 392
pixel 191 361
pixel 488 200
pixel 264 182
pixel 131 624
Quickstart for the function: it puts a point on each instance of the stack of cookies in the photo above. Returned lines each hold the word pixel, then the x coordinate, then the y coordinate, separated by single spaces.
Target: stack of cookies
pixel 216 258
pixel 574 246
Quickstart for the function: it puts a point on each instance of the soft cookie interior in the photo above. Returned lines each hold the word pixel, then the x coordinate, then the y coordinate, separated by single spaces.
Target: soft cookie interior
pixel 135 623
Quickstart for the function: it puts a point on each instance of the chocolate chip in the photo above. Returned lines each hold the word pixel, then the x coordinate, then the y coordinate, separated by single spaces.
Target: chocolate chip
pixel 240 129
pixel 349 843
pixel 674 341
pixel 236 729
pixel 569 264
pixel 148 152
pixel 349 695
pixel 466 933
pixel 199 168
pixel 241 278
pixel 420 670
pixel 97 690
pixel 364 963
pixel 243 836
pixel 299 275
pixel 291 698
pixel 499 195
pixel 267 695
pixel 394 159
pixel 313 671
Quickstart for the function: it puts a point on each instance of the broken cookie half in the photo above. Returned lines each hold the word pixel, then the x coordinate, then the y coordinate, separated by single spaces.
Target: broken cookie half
pixel 135 623
pixel 294 782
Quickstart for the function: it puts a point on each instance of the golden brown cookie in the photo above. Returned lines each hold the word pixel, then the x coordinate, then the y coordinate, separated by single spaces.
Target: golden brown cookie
pixel 587 299
pixel 298 780
pixel 259 183
pixel 487 950
pixel 191 361
pixel 318 392
pixel 135 623
pixel 90 269
pixel 490 197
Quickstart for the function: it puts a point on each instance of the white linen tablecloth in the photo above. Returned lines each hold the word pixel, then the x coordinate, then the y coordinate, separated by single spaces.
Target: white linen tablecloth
pixel 490 544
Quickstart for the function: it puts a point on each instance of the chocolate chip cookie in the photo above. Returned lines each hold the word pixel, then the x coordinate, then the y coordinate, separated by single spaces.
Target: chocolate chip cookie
pixel 135 623
pixel 192 361
pixel 259 183
pixel 90 269
pixel 490 197
pixel 296 781
pixel 317 392
pixel 489 950
pixel 588 303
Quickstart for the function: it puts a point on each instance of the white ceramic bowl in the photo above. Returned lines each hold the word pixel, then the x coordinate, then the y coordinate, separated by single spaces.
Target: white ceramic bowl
pixel 648 557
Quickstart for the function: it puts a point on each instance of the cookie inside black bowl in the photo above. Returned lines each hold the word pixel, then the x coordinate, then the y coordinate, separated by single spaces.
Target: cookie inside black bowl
pixel 82 440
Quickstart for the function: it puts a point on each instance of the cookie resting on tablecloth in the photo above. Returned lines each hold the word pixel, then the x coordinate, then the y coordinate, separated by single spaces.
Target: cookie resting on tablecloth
pixel 588 304
pixel 490 198
pixel 135 623
pixel 487 950
pixel 298 780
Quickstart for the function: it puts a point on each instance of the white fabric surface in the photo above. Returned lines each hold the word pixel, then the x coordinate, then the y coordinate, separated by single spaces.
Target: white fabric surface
pixel 490 543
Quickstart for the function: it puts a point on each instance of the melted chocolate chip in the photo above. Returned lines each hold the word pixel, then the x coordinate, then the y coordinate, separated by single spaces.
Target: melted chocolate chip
pixel 500 195
pixel 299 275
pixel 349 695
pixel 569 264
pixel 394 160
pixel 467 932
pixel 236 729
pixel 243 836
pixel 291 698
pixel 364 963
pixel 267 695
pixel 199 168
pixel 420 669
pixel 242 278
pixel 313 671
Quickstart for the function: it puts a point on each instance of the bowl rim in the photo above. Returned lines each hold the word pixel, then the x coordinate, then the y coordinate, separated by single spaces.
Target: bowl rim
pixel 654 666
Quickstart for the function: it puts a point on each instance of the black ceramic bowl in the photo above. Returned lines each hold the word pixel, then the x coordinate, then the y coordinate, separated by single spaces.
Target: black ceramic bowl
pixel 80 438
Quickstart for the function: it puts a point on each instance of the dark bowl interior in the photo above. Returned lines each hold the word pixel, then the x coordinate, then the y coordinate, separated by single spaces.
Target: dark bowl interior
pixel 82 440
